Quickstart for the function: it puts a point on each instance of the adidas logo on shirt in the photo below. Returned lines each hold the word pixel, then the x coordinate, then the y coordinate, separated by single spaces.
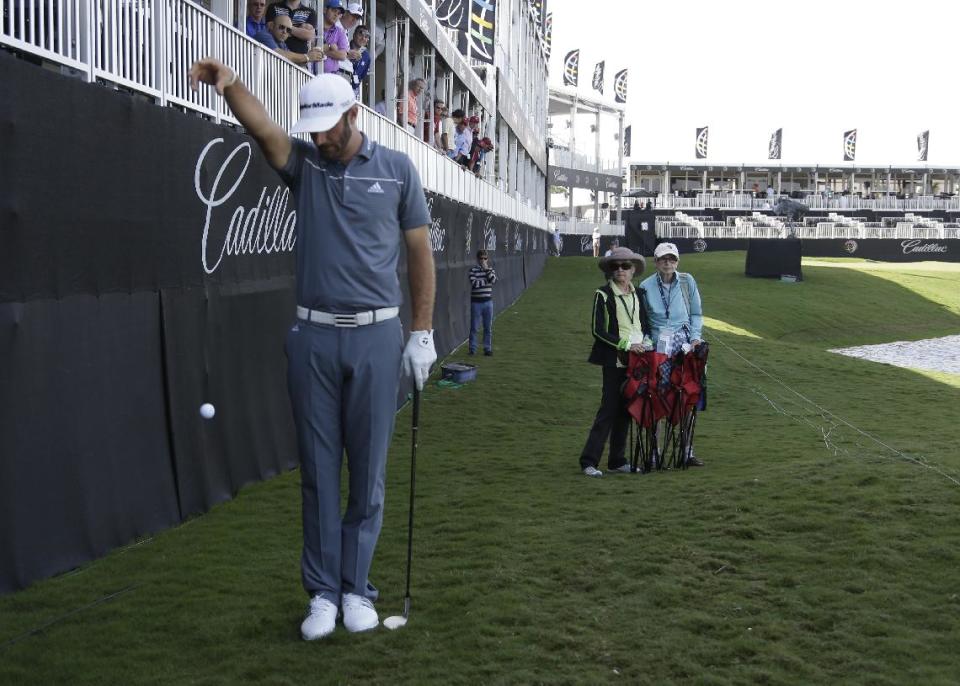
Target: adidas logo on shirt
pixel 375 188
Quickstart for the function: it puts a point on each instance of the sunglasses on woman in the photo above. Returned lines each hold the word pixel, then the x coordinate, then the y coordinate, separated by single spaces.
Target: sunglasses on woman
pixel 625 266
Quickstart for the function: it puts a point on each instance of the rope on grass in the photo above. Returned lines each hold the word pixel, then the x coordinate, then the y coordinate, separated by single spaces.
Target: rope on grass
pixel 833 419
pixel 57 620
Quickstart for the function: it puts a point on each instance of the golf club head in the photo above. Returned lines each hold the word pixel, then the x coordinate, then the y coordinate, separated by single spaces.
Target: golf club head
pixel 395 622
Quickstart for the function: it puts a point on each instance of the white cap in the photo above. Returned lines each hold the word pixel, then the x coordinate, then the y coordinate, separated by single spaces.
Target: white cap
pixel 355 8
pixel 666 249
pixel 322 100
pixel 345 65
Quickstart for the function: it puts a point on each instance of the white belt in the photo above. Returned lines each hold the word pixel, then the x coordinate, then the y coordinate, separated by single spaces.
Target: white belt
pixel 347 320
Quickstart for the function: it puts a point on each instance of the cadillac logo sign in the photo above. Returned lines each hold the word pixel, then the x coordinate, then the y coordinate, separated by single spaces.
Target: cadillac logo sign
pixel 850 246
pixel 699 245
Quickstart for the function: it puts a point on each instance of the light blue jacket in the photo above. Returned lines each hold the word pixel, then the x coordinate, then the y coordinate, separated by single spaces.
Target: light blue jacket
pixel 656 312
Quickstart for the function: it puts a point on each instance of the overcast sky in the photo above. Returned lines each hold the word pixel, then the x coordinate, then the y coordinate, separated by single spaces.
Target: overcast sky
pixel 815 69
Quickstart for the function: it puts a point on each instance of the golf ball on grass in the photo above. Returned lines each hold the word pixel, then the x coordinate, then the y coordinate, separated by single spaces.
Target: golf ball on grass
pixel 207 411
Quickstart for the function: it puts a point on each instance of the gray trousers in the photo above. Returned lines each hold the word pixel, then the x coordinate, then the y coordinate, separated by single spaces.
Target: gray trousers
pixel 343 388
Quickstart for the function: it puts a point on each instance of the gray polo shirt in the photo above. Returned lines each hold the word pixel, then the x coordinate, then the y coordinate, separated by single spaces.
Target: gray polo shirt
pixel 349 223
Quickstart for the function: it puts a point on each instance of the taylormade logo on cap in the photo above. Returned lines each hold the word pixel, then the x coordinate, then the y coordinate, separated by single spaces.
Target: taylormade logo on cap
pixel 322 100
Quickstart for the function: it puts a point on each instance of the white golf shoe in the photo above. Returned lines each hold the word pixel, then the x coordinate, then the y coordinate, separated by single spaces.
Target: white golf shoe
pixel 358 613
pixel 622 469
pixel 592 471
pixel 321 619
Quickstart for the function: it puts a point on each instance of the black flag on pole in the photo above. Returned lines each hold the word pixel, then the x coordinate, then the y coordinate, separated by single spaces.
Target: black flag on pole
pixel 598 77
pixel 626 141
pixel 775 149
pixel 477 40
pixel 536 9
pixel 850 145
pixel 453 13
pixel 548 34
pixel 702 134
pixel 620 86
pixel 923 145
pixel 571 68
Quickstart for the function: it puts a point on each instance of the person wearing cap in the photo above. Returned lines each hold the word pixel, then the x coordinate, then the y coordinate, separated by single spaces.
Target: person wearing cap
pixel 275 39
pixel 350 19
pixel 356 203
pixel 361 65
pixel 335 41
pixel 619 326
pixel 672 302
pixel 303 19
pixel 596 241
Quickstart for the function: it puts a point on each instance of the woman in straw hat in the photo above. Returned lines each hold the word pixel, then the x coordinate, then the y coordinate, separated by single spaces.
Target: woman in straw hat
pixel 619 324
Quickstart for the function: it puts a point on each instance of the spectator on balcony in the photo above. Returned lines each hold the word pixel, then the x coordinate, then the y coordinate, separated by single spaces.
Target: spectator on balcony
pixel 771 193
pixel 596 241
pixel 335 42
pixel 462 140
pixel 414 90
pixel 275 38
pixel 350 20
pixel 361 65
pixel 434 127
pixel 304 22
pixel 449 132
pixel 256 17
pixel 484 146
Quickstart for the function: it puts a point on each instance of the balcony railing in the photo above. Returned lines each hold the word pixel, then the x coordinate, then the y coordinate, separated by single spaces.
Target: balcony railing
pixel 747 201
pixel 148 46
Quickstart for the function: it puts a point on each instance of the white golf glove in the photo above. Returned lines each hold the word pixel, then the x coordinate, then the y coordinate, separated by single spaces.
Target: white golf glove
pixel 418 356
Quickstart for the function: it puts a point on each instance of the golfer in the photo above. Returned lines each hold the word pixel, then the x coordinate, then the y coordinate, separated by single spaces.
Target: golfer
pixel 618 328
pixel 672 302
pixel 355 201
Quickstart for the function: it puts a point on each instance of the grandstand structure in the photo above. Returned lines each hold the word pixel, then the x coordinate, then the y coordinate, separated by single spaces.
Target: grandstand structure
pixel 839 188
pixel 584 185
pixel 146 47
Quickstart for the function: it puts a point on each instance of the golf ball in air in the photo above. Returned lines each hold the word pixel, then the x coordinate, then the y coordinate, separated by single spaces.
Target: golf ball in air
pixel 207 411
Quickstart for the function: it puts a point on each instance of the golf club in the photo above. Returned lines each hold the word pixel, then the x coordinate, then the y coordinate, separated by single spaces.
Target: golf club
pixel 395 622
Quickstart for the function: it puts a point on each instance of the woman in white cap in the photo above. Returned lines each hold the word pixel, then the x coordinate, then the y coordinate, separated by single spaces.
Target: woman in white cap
pixel 672 303
pixel 618 328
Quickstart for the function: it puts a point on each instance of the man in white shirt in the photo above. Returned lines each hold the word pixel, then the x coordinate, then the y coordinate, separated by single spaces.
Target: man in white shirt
pixel 596 241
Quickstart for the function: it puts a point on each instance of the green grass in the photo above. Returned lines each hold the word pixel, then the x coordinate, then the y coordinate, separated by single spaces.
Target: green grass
pixel 800 554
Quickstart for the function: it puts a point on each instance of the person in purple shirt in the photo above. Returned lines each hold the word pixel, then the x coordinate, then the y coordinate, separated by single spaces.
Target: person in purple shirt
pixel 334 37
pixel 256 17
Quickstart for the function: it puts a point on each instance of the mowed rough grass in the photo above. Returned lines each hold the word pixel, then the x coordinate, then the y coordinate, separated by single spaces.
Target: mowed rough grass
pixel 804 552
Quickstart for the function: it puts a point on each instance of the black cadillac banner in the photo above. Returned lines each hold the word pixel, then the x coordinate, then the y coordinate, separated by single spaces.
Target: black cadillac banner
pixel 701 143
pixel 597 81
pixel 886 249
pixel 923 146
pixel 627 134
pixel 850 145
pixel 576 178
pixel 620 86
pixel 775 149
pixel 160 280
pixel 571 68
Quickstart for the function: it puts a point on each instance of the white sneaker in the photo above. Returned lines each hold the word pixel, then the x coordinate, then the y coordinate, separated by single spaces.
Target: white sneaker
pixel 358 613
pixel 592 471
pixel 622 469
pixel 321 619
